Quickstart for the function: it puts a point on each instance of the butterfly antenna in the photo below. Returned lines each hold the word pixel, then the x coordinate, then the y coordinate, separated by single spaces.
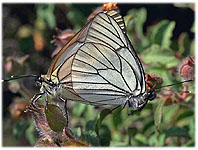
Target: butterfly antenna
pixel 19 77
pixel 174 84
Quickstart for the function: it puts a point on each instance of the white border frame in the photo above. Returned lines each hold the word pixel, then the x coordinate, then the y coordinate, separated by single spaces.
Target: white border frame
pixel 102 1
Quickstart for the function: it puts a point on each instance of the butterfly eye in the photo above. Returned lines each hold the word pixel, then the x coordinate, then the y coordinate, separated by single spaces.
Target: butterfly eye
pixel 151 95
pixel 39 81
pixel 51 83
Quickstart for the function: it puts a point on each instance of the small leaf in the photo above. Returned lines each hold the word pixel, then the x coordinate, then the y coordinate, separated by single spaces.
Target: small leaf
pixel 45 12
pixel 148 126
pixel 157 139
pixel 141 17
pixel 135 20
pixel 192 129
pixel 161 140
pixel 102 115
pixel 152 141
pixel 192 48
pixel 176 131
pixel 79 109
pixel 89 135
pixel 184 44
pixel 19 129
pixel 162 32
pixel 50 18
pixel 169 113
pixel 185 114
pixel 117 119
pixel 141 138
pixel 30 134
pixel 90 125
pixel 158 114
pixel 55 118
pixel 104 135
pixel 155 54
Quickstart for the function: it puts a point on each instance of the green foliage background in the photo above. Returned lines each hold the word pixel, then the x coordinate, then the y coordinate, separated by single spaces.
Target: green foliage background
pixel 156 125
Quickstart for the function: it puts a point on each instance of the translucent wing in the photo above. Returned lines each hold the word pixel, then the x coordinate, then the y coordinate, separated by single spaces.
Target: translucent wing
pixel 99 65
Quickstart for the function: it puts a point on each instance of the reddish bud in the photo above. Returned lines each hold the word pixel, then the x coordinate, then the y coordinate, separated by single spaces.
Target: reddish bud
pixel 186 69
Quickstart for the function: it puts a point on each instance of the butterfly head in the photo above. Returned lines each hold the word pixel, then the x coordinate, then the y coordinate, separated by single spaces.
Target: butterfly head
pixel 43 80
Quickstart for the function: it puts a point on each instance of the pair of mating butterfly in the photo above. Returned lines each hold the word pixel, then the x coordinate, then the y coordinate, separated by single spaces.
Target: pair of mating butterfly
pixel 98 66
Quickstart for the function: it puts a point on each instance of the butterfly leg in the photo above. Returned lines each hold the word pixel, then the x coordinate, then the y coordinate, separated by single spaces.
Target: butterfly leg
pixel 35 98
pixel 33 102
pixel 66 114
pixel 138 110
pixel 46 99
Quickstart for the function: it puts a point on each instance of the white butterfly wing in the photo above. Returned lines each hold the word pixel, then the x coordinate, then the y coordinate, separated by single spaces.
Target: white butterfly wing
pixel 101 66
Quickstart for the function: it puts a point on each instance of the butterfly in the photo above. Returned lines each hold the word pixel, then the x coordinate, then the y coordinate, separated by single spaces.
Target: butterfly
pixel 98 66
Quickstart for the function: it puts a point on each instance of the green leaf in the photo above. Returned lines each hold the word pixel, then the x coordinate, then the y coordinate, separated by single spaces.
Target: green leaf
pixel 129 20
pixel 90 125
pixel 139 16
pixel 134 21
pixel 79 15
pixel 149 127
pixel 192 128
pixel 184 44
pixel 157 139
pixel 30 134
pixel 185 114
pixel 169 112
pixel 176 131
pixel 152 141
pixel 141 138
pixel 162 32
pixel 104 135
pixel 78 109
pixel 192 48
pixel 158 114
pixel 55 118
pixel 117 119
pixel 155 54
pixel 77 132
pixel 190 143
pixel 89 135
pixel 161 140
pixel 50 19
pixel 102 115
pixel 19 129
pixel 117 136
pixel 45 12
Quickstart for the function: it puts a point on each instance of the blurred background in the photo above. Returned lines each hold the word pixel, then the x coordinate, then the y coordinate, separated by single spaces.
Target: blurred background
pixel 163 37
